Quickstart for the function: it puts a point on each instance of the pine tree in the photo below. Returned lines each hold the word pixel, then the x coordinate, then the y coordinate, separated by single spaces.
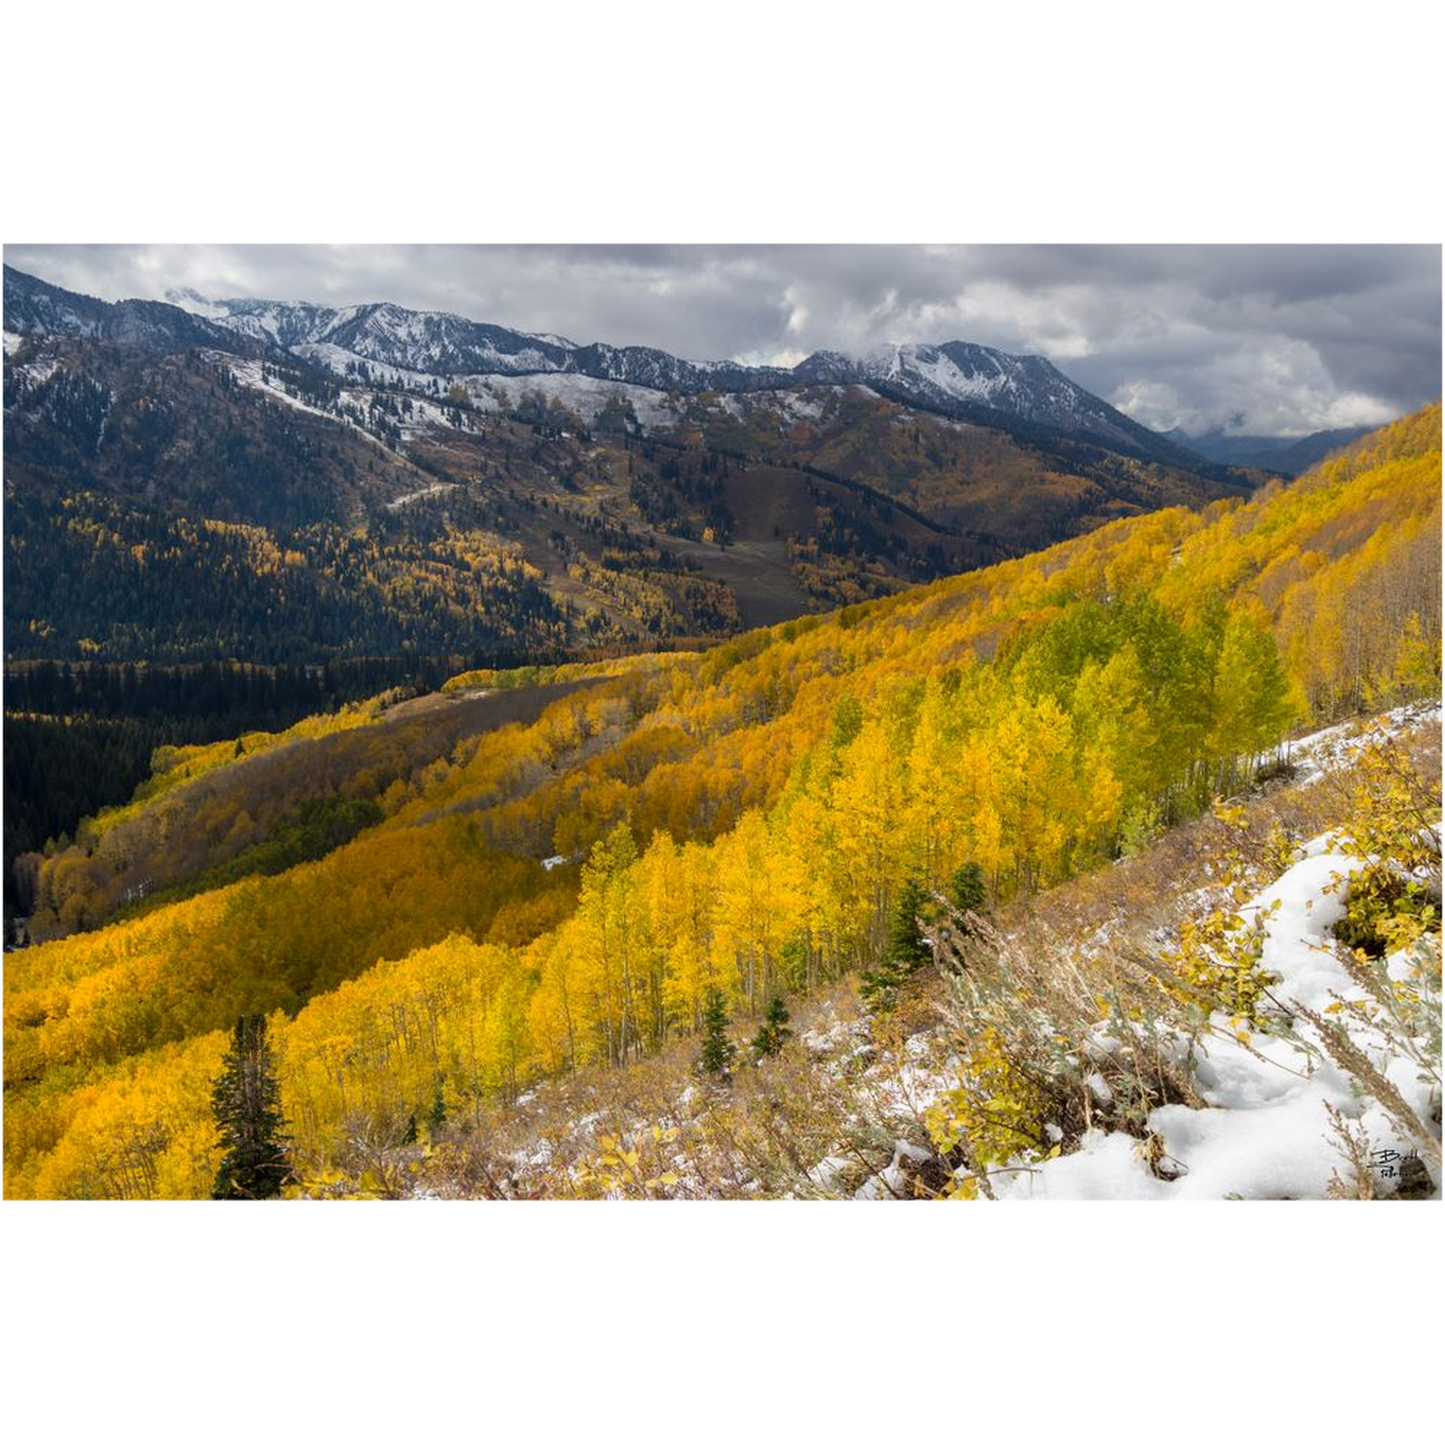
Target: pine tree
pixel 438 1115
pixel 908 950
pixel 907 946
pixel 774 1031
pixel 246 1101
pixel 718 1050
pixel 878 987
pixel 968 890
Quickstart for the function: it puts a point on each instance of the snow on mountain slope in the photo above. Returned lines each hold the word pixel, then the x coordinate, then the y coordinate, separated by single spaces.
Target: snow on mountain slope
pixel 348 363
pixel 424 342
pixel 587 396
pixel 960 379
pixel 351 409
pixel 251 374
pixel 35 308
pixel 1321 753
pixel 431 343
pixel 962 371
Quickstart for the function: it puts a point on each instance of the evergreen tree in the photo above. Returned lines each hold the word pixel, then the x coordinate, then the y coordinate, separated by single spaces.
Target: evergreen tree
pixel 878 987
pixel 246 1101
pixel 774 1032
pixel 908 950
pixel 967 889
pixel 907 946
pixel 718 1050
pixel 438 1115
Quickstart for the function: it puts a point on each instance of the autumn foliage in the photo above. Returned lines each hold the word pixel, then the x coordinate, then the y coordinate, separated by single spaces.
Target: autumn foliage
pixel 737 822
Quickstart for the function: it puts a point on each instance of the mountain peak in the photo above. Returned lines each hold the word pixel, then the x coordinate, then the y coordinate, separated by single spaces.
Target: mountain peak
pixel 965 380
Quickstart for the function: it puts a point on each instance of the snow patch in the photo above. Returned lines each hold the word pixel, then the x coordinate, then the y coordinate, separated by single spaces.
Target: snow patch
pixel 435 490
pixel 1265 1131
pixel 1334 748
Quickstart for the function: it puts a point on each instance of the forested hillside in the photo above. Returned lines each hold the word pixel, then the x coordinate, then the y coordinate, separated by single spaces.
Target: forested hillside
pixel 738 821
pixel 82 736
pixel 210 495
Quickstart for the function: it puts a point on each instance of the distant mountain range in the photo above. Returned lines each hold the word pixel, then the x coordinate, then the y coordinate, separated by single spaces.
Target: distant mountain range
pixel 292 482
pixel 958 378
pixel 1290 455
pixel 956 375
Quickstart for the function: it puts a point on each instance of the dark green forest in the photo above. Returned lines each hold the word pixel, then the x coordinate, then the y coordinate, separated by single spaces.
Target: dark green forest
pixel 79 736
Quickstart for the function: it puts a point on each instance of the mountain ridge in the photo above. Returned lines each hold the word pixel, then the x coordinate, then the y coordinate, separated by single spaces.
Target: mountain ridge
pixel 965 379
pixel 517 511
pixel 1291 456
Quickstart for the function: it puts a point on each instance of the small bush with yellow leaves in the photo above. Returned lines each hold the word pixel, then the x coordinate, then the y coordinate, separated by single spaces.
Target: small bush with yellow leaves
pixel 1217 964
pixel 996 1114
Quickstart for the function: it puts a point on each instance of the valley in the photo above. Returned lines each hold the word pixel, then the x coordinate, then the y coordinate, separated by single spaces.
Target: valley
pixel 266 486
pixel 500 717
pixel 550 872
pixel 363 487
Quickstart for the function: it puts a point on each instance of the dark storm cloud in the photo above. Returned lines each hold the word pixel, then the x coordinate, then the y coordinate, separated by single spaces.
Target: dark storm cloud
pixel 1279 339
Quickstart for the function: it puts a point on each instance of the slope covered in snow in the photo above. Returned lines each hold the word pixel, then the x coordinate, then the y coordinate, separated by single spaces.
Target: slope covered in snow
pixel 1265 1131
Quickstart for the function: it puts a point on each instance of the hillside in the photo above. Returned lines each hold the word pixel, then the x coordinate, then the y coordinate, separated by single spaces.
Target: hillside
pixel 566 890
pixel 374 482
pixel 1068 1046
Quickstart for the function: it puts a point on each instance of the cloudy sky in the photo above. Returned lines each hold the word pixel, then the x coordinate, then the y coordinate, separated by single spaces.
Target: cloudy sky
pixel 1269 339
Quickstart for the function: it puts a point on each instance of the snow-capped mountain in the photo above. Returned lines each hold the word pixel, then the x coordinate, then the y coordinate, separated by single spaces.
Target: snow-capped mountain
pixel 34 307
pixel 440 343
pixel 961 379
pixel 965 374
pixel 956 376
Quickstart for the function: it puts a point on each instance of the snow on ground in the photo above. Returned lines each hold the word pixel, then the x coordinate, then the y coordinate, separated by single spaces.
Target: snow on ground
pixel 339 360
pixel 586 396
pixel 435 490
pixel 427 416
pixel 1265 1133
pixel 251 373
pixel 893 1182
pixel 801 408
pixel 34 372
pixel 1336 747
pixel 940 371
pixel 787 406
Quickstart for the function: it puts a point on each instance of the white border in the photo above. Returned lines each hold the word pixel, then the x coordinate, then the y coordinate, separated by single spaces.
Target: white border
pixel 753 121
